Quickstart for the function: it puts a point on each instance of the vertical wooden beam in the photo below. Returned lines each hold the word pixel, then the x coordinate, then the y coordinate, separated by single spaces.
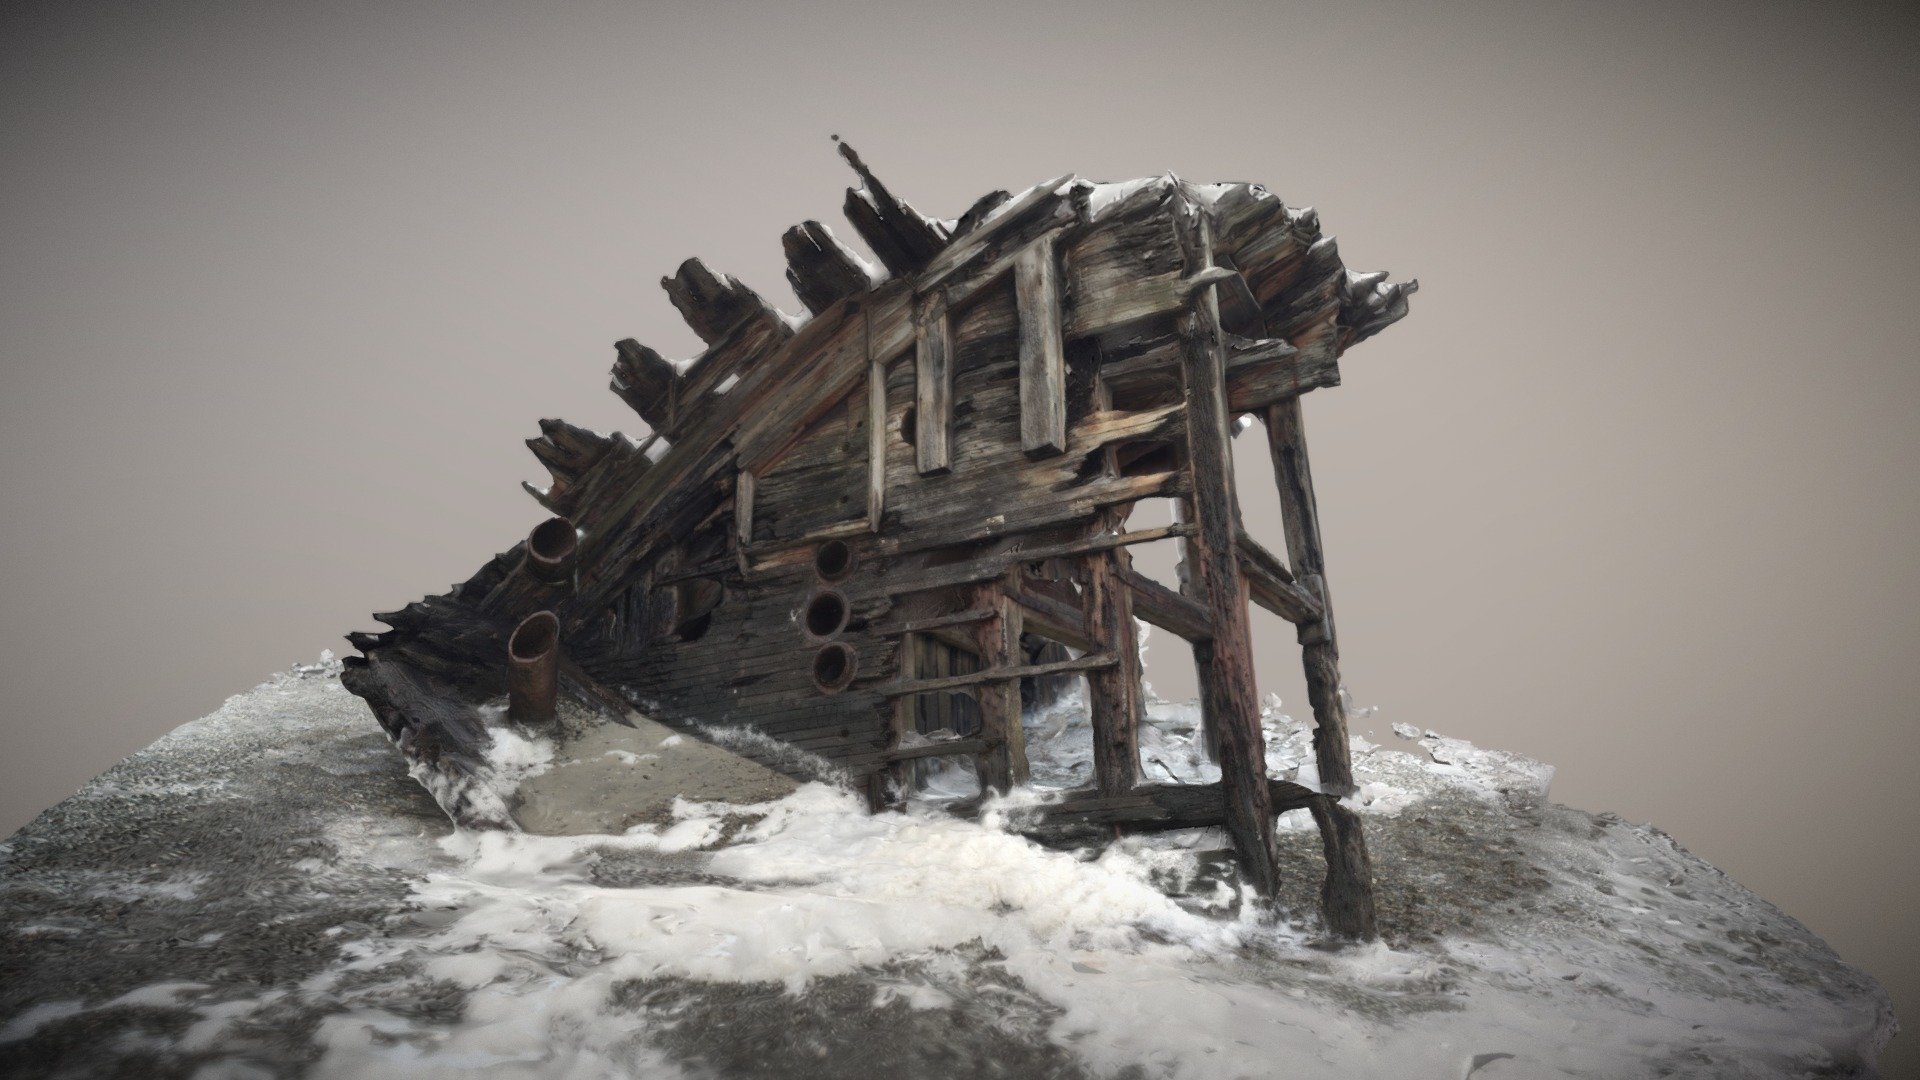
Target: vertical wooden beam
pixel 1005 762
pixel 1226 675
pixel 1043 350
pixel 933 387
pixel 900 773
pixel 876 442
pixel 743 508
pixel 1113 693
pixel 1319 650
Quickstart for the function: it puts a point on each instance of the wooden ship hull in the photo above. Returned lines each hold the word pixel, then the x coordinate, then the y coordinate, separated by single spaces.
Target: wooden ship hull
pixel 888 518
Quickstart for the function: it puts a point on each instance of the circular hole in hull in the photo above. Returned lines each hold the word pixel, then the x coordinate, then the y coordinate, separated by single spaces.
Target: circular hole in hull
pixel 826 614
pixel 833 667
pixel 833 560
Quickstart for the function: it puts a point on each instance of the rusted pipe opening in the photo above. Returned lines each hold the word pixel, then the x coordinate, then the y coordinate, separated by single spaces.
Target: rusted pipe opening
pixel 533 668
pixel 551 548
pixel 826 614
pixel 833 667
pixel 833 560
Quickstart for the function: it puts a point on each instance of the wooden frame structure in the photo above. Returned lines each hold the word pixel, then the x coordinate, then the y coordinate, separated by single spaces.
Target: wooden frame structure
pixel 849 530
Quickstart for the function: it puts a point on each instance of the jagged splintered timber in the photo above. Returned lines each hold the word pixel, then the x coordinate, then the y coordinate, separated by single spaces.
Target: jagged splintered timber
pixel 907 512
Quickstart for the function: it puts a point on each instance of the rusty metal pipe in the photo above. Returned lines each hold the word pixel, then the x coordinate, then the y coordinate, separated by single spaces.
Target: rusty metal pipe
pixel 551 550
pixel 533 668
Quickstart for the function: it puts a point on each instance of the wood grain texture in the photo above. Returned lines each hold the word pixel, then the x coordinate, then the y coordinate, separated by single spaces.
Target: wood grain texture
pixel 1043 351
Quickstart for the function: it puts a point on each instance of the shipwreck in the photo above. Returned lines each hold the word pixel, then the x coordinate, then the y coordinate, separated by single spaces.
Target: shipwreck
pixel 865 532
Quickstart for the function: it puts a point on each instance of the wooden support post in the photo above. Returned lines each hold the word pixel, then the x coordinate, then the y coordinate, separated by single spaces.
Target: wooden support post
pixel 1346 896
pixel 1113 693
pixel 900 773
pixel 998 639
pixel 1231 701
pixel 933 388
pixel 1043 350
pixel 1320 651
pixel 743 510
pixel 876 440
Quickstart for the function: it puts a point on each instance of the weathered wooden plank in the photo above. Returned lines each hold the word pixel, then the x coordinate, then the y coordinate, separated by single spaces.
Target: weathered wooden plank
pixel 822 270
pixel 934 622
pixel 1043 351
pixel 1157 806
pixel 999 674
pixel 903 580
pixel 1051 619
pixel 1157 605
pixel 817 370
pixel 1226 663
pixel 933 390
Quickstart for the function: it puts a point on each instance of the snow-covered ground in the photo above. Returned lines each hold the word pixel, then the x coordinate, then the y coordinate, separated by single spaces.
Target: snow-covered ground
pixel 264 893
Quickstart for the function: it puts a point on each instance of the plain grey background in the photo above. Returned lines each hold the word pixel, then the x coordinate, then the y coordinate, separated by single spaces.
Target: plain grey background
pixel 1632 491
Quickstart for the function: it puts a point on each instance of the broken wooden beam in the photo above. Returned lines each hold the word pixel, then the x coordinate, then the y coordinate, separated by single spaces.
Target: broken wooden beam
pixel 934 622
pixel 822 270
pixel 712 304
pixel 647 381
pixel 904 239
pixel 1272 586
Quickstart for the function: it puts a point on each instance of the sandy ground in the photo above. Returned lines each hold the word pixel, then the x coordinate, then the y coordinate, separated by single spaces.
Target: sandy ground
pixel 609 778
